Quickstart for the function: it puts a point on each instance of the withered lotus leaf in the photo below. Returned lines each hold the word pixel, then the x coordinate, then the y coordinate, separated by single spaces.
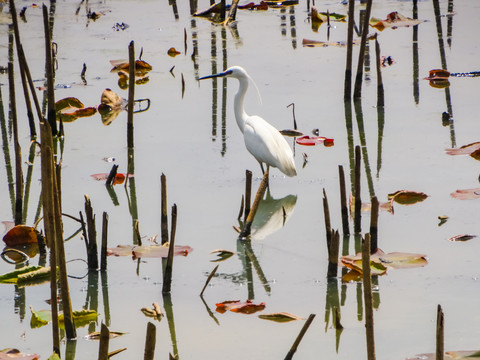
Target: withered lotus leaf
pixel 280 317
pixel 393 20
pixel 405 197
pixel 20 235
pixel 222 254
pixel 16 354
pixel 247 307
pixel 466 194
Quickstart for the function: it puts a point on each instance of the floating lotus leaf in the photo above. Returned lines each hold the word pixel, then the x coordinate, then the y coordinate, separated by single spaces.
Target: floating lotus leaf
pixel 21 235
pixel 405 197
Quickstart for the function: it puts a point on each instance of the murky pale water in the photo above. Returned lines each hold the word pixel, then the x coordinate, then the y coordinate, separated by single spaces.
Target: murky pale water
pixel 195 142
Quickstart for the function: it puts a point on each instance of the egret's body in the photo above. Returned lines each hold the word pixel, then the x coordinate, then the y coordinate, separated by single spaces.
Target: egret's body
pixel 262 140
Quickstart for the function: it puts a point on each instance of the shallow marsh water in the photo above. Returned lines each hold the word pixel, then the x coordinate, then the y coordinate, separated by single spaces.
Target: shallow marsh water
pixel 205 168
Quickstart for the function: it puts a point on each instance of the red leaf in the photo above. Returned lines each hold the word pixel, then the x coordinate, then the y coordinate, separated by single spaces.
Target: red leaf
pixel 314 140
pixel 237 306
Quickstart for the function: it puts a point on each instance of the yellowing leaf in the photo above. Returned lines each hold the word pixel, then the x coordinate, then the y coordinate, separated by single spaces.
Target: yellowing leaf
pixel 280 317
pixel 12 277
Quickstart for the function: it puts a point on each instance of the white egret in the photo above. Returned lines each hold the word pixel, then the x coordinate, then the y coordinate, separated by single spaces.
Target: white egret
pixel 262 140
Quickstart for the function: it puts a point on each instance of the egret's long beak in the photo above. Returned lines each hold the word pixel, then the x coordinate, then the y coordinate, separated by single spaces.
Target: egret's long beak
pixel 222 74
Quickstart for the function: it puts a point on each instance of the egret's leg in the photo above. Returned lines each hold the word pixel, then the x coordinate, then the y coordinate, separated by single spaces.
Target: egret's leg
pixel 261 166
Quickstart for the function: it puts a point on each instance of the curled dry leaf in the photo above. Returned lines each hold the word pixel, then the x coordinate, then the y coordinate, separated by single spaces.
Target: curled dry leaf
pixel 280 317
pixel 472 149
pixel 443 219
pixel 237 306
pixel 252 6
pixel 323 16
pixel 119 177
pixel 466 194
pixel 68 102
pixel 405 197
pixel 438 74
pixel 173 52
pixel 140 65
pixel 155 312
pixel 222 254
pixel 462 237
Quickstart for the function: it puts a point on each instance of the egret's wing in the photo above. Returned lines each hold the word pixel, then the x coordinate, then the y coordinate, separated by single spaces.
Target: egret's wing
pixel 267 145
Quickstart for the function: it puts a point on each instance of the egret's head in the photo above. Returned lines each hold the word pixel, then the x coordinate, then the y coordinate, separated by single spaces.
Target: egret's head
pixel 236 72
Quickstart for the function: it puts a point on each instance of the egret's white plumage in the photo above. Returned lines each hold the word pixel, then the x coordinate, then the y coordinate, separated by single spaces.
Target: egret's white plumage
pixel 262 140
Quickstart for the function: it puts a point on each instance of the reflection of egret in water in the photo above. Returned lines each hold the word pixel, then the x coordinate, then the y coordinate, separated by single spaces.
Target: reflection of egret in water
pixel 272 214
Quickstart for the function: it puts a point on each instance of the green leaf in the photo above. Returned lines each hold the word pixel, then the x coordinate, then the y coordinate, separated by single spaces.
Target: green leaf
pixel 40 318
pixel 54 356
pixel 12 277
pixel 280 317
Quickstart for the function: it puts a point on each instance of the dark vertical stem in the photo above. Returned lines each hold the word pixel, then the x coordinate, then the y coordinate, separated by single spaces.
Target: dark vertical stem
pixel 439 350
pixel 150 341
pixel 248 193
pixel 103 262
pixel 18 150
pixel 380 92
pixel 167 275
pixel 348 66
pixel 357 197
pixel 333 248
pixel 164 215
pixel 367 292
pixel 28 104
pixel 416 89
pixel 131 93
pixel 374 225
pixel 51 115
pixel 357 93
pixel 343 201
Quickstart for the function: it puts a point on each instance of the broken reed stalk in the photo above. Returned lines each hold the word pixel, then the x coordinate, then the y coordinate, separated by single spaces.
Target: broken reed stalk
pixel 103 261
pixel 247 227
pixel 208 279
pixel 333 249
pixel 167 275
pixel 104 342
pixel 131 93
pixel 92 251
pixel 367 295
pixel 164 215
pixel 17 149
pixel 348 67
pixel 294 347
pixel 111 175
pixel 439 350
pixel 28 104
pixel 357 197
pixel 49 224
pixel 343 201
pixel 374 225
pixel 31 85
pixel 233 12
pixel 51 114
pixel 380 91
pixel 150 341
pixel 357 92
pixel 248 193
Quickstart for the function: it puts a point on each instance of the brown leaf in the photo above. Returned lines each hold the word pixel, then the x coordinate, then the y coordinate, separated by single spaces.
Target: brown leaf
pixel 71 102
pixel 21 235
pixel 173 52
pixel 237 306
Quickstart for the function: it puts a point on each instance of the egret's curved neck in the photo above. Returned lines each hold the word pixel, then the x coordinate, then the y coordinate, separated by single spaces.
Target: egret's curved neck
pixel 240 114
